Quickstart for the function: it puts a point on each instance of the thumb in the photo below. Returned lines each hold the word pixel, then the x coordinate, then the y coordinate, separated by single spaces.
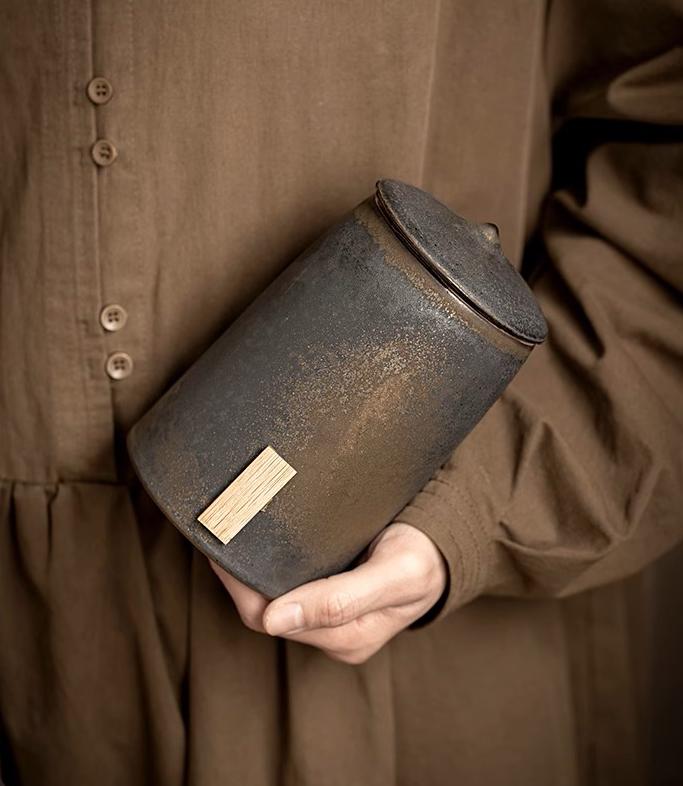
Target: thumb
pixel 391 576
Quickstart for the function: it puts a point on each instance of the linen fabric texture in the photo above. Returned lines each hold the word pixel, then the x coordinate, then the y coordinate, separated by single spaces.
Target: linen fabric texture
pixel 242 130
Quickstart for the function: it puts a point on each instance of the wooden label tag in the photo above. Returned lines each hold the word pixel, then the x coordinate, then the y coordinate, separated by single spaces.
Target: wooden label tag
pixel 248 493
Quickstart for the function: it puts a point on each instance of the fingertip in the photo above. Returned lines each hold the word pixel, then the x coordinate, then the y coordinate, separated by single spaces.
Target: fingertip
pixel 280 619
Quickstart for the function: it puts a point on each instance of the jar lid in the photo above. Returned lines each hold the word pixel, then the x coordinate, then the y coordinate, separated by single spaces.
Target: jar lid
pixel 465 257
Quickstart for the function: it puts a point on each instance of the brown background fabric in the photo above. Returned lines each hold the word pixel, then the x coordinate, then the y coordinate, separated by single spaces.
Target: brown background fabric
pixel 244 129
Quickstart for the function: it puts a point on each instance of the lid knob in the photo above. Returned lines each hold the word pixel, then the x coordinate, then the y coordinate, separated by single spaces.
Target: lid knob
pixel 490 232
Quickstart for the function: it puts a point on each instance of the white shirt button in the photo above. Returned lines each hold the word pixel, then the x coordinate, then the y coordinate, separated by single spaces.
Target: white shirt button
pixel 104 152
pixel 99 90
pixel 113 317
pixel 119 365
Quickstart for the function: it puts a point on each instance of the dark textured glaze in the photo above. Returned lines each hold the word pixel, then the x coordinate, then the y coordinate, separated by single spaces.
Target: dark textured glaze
pixel 466 257
pixel 361 369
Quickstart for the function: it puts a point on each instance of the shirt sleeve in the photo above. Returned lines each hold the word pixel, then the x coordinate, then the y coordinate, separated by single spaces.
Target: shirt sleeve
pixel 575 477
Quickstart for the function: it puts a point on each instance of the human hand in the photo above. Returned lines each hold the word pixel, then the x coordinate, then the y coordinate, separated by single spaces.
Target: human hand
pixel 351 615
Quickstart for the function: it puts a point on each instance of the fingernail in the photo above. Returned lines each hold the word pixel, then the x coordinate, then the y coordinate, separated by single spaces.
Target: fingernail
pixel 285 619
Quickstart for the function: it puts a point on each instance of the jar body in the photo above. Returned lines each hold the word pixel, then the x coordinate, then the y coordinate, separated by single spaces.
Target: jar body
pixel 360 369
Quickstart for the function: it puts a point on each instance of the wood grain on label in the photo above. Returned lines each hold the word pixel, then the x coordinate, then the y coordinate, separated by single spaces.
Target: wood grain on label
pixel 249 493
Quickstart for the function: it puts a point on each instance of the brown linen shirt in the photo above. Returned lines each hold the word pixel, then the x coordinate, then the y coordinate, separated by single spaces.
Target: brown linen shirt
pixel 231 134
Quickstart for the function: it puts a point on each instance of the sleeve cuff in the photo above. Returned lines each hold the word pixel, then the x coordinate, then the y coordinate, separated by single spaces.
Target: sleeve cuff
pixel 455 509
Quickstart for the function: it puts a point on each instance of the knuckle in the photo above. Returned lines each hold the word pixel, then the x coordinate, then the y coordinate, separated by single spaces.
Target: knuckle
pixel 359 657
pixel 250 616
pixel 351 644
pixel 251 621
pixel 353 657
pixel 413 566
pixel 337 609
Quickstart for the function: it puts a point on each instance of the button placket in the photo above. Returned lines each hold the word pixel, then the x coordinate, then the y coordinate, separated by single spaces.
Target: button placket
pixel 113 317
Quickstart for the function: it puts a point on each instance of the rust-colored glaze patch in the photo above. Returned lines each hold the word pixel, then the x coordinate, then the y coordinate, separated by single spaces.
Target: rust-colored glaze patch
pixel 399 256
